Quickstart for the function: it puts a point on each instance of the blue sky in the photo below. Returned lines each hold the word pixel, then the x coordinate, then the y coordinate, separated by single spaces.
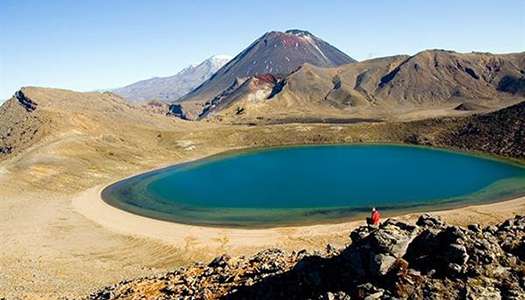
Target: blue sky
pixel 87 45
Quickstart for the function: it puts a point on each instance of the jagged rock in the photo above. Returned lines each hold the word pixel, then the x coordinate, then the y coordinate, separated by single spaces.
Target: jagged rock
pixel 335 296
pixel 483 293
pixel 395 260
pixel 220 261
pixel 176 110
pixel 454 269
pixel 428 220
pixel 368 290
pixel 381 264
pixel 360 233
pixel 27 103
pixel 6 150
pixel 376 295
pixel 331 250
pixel 491 229
pixel 474 227
pixel 457 254
pixel 392 239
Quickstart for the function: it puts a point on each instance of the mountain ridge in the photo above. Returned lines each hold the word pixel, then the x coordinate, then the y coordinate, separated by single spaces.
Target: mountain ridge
pixel 276 53
pixel 380 87
pixel 171 88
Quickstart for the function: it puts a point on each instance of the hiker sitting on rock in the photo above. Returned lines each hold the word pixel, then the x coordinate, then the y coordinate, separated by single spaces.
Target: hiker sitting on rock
pixel 375 217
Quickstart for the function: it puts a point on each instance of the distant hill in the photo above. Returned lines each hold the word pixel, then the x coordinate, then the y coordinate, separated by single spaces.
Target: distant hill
pixel 171 88
pixel 34 114
pixel 275 53
pixel 383 88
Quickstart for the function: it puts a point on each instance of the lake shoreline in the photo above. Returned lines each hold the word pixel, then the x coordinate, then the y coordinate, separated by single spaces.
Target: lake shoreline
pixel 322 215
pixel 90 204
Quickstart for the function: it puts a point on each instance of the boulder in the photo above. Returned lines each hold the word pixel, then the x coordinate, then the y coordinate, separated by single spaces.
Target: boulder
pixel 220 261
pixel 359 233
pixel 474 227
pixel 177 110
pixel 392 239
pixel 427 220
pixel 27 103
pixel 381 264
pixel 457 254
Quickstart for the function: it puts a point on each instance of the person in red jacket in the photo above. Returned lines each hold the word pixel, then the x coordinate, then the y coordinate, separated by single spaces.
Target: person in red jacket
pixel 375 217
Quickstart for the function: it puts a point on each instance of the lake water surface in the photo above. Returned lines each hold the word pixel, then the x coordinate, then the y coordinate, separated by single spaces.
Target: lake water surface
pixel 314 184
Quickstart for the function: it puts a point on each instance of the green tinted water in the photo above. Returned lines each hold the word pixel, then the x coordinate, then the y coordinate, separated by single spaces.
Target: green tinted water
pixel 314 184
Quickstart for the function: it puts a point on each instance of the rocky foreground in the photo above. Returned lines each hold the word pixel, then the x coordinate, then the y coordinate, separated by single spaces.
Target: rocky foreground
pixel 396 260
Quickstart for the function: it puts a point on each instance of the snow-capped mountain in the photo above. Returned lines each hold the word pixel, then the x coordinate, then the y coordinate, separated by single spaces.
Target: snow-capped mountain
pixel 173 87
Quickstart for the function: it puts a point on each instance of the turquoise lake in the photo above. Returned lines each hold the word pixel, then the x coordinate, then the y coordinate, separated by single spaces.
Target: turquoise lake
pixel 315 184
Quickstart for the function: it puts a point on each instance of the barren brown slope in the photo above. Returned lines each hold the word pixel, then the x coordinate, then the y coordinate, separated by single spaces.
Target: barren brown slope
pixel 501 132
pixel 20 126
pixel 47 133
pixel 437 75
pixel 276 53
pixel 428 84
pixel 35 113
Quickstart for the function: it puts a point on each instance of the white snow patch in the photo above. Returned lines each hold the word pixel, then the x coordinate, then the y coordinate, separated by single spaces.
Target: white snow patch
pixel 222 57
pixel 314 44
